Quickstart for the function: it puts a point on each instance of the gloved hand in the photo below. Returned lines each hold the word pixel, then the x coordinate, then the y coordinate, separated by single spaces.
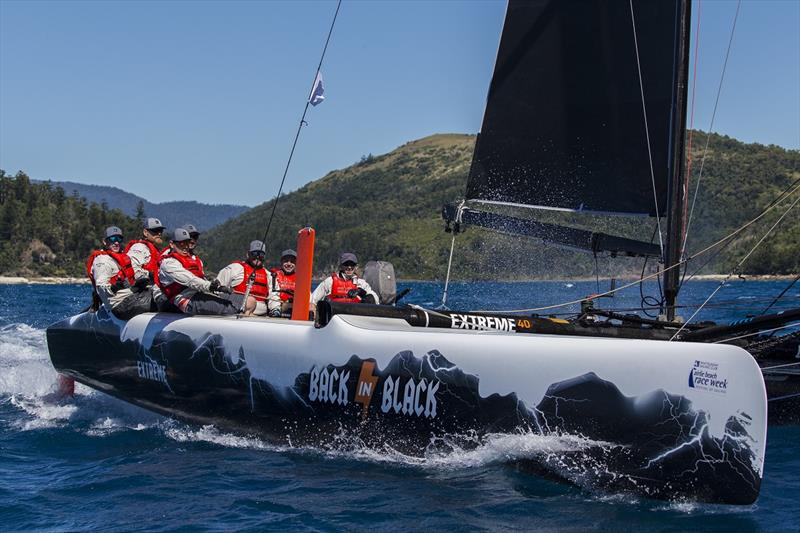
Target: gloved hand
pixel 352 293
pixel 275 313
pixel 142 283
pixel 216 286
pixel 120 284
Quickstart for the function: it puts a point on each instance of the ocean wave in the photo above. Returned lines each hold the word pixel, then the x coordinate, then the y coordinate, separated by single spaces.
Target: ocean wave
pixel 28 382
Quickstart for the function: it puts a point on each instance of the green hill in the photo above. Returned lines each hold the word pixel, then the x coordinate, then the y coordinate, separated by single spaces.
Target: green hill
pixel 45 232
pixel 387 207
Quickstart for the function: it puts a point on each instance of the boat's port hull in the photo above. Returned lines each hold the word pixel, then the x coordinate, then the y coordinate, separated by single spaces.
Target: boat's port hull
pixel 663 419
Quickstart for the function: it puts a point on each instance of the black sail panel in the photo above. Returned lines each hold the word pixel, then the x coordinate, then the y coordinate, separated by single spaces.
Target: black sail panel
pixel 564 126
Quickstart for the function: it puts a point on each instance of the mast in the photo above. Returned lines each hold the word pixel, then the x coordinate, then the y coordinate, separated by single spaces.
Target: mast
pixel 676 222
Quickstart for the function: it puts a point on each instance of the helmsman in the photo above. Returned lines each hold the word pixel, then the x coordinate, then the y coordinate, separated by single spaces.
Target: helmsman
pixel 345 285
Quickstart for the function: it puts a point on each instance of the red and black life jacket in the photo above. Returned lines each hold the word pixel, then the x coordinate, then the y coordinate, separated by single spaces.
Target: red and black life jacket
pixel 340 288
pixel 152 264
pixel 192 263
pixel 164 253
pixel 122 260
pixel 284 283
pixel 260 287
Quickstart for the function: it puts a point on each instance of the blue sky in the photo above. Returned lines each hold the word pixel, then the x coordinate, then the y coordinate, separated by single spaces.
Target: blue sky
pixel 201 100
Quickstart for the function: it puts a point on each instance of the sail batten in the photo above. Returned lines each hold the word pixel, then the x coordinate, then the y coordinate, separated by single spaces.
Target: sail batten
pixel 564 126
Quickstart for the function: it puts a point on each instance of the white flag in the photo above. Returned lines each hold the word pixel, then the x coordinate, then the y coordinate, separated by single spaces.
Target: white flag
pixel 318 91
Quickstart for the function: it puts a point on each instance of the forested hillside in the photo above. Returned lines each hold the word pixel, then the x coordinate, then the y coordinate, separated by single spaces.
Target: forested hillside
pixel 45 232
pixel 387 207
pixel 171 214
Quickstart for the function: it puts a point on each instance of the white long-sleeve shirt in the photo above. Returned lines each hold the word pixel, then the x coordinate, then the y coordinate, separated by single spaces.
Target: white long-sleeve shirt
pixel 104 267
pixel 324 289
pixel 172 271
pixel 140 256
pixel 232 275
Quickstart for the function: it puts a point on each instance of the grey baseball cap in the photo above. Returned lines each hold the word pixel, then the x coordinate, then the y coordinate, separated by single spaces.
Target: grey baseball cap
pixel 257 246
pixel 153 223
pixel 288 253
pixel 348 257
pixel 181 235
pixel 113 230
pixel 191 229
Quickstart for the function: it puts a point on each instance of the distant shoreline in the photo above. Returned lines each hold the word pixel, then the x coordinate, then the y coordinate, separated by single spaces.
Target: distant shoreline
pixel 19 280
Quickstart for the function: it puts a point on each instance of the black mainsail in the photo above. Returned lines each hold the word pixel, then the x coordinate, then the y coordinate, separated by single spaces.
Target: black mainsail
pixel 581 116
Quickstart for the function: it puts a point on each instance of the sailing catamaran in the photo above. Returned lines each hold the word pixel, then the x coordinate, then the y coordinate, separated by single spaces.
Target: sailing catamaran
pixel 663 419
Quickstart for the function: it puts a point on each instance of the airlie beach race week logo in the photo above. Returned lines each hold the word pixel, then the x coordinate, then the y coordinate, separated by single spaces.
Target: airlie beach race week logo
pixel 706 376
pixel 407 396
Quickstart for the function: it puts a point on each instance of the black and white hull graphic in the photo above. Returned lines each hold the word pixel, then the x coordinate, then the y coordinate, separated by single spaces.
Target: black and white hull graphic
pixel 657 421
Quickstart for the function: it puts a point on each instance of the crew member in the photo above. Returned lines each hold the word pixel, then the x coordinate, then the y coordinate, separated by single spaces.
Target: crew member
pixel 344 285
pixel 237 276
pixel 144 252
pixel 194 233
pixel 181 278
pixel 144 255
pixel 113 279
pixel 281 293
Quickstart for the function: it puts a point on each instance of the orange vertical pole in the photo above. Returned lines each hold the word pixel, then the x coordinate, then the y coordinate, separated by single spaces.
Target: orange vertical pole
pixel 305 262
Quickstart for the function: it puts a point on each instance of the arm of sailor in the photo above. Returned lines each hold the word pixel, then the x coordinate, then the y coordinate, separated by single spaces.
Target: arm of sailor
pixel 322 290
pixel 174 271
pixel 231 276
pixel 361 284
pixel 103 269
pixel 140 256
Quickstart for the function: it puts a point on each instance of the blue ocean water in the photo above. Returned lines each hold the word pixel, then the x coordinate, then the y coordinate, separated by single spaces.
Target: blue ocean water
pixel 97 463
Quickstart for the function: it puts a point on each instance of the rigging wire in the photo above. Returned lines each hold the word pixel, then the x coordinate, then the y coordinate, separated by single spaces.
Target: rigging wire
pixel 447 278
pixel 646 129
pixel 710 126
pixel 740 263
pixel 302 122
pixel 648 300
pixel 661 271
pixel 778 297
pixel 782 196
pixel 785 326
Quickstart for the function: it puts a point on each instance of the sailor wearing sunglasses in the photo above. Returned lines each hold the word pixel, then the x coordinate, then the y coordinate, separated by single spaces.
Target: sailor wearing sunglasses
pixel 112 277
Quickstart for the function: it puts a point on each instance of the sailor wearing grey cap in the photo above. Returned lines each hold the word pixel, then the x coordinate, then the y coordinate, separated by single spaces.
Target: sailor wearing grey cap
pixel 144 252
pixel 248 278
pixel 194 233
pixel 180 276
pixel 281 294
pixel 345 285
pixel 112 277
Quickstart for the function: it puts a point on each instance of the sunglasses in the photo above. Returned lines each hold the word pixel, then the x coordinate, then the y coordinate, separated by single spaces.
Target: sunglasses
pixel 194 236
pixel 115 239
pixel 258 255
pixel 349 265
pixel 158 231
